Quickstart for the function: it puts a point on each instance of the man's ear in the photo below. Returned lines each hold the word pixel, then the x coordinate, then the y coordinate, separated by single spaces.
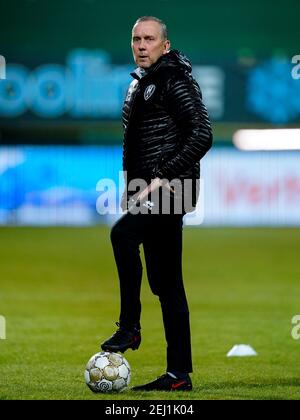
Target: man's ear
pixel 167 46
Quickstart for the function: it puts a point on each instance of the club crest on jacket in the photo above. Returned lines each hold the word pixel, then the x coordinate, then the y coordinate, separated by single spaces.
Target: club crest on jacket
pixel 149 92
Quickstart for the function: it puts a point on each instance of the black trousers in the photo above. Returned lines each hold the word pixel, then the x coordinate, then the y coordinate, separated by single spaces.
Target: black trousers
pixel 161 236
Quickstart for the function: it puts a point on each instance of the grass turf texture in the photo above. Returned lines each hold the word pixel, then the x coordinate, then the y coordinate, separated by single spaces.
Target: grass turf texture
pixel 59 294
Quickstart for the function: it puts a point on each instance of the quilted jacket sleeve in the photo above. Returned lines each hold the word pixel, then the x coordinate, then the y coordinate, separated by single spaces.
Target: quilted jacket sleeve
pixel 184 104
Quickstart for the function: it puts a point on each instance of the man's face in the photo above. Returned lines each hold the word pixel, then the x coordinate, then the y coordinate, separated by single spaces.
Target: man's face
pixel 147 43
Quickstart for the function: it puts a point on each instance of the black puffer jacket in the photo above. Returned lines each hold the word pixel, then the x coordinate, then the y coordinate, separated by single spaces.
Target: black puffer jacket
pixel 166 126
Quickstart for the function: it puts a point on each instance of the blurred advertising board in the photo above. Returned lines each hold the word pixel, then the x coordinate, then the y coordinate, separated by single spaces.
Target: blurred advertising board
pixel 88 86
pixel 252 188
pixel 62 186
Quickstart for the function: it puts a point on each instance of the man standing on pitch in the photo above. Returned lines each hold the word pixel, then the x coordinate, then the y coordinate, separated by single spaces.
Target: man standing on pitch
pixel 166 133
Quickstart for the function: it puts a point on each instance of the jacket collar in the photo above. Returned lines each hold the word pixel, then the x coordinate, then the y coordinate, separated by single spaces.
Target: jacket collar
pixel 138 73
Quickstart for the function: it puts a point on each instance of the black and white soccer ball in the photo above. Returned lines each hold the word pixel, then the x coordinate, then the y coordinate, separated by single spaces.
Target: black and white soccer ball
pixel 107 372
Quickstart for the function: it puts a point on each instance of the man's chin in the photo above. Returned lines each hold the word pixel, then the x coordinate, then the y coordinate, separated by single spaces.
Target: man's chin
pixel 144 66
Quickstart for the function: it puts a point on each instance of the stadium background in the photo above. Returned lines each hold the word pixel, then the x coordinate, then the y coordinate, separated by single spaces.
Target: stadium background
pixel 67 68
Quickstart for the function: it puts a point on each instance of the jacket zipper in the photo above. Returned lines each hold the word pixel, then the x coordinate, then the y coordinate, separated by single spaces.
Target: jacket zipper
pixel 131 110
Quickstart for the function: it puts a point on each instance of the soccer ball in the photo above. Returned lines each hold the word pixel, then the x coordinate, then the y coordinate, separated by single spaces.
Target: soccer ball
pixel 107 372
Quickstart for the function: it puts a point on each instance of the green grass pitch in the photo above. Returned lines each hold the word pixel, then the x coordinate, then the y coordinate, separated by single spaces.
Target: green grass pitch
pixel 59 294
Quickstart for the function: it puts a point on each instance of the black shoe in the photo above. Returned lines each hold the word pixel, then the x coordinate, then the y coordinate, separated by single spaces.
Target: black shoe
pixel 122 340
pixel 166 383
